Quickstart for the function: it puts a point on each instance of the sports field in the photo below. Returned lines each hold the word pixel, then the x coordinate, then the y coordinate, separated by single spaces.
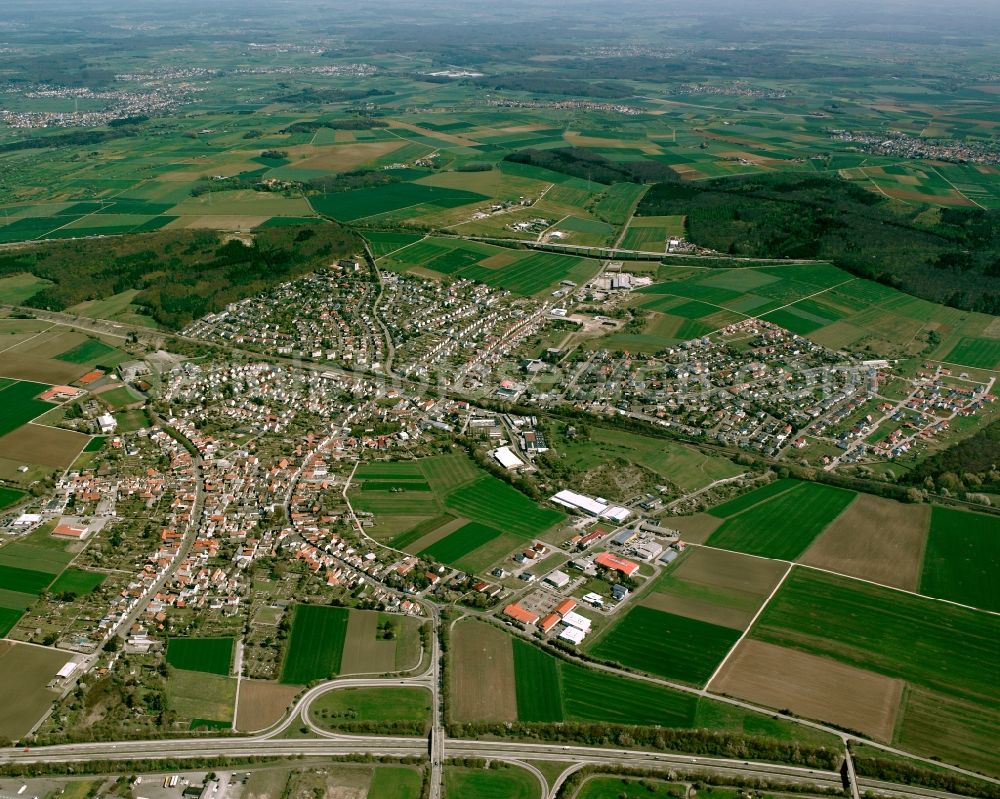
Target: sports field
pixel 210 655
pixel 785 525
pixel 316 644
pixel 962 562
pixel 666 644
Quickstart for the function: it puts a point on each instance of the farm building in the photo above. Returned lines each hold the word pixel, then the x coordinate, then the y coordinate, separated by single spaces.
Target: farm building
pixel 557 579
pixel 613 562
pixel 506 458
pixel 669 556
pixel 517 613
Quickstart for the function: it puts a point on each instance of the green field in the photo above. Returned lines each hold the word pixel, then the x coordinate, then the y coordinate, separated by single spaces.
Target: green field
pixel 506 782
pixel 785 525
pixel 454 546
pixel 616 788
pixel 209 655
pixel 18 404
pixel 395 782
pixel 77 581
pixel 537 676
pixel 666 644
pixel 206 698
pixel 316 644
pixel 962 559
pixel 8 618
pixel 490 500
pixel 758 495
pixel 383 242
pixel 119 397
pixel 349 206
pixel 9 496
pixel 394 703
pixel 983 353
pixel 92 351
pixel 25 581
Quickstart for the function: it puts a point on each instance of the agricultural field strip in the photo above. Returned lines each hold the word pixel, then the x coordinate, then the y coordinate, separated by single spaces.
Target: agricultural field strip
pixel 400 249
pixel 25 341
pixel 797 300
pixel 749 627
pixel 840 574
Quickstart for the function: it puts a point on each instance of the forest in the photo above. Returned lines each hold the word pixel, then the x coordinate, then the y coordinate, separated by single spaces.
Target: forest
pixel 953 259
pixel 579 162
pixel 971 465
pixel 181 275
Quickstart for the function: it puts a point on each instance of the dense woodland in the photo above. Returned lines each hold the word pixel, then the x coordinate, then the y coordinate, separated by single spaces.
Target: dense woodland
pixel 971 465
pixel 181 275
pixel 946 255
pixel 579 162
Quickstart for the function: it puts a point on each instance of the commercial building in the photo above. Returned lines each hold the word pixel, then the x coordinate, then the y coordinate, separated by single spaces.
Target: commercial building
pixel 613 562
pixel 557 579
pixel 506 458
pixel 517 613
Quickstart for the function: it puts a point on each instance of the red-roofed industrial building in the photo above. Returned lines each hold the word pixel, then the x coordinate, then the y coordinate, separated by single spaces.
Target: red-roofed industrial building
pixel 613 562
pixel 548 622
pixel 517 613
pixel 565 606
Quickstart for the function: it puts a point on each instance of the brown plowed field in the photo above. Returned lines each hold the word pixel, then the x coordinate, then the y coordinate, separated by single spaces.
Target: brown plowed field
pixel 813 687
pixel 481 674
pixel 695 529
pixel 262 703
pixel 45 446
pixel 364 651
pixel 874 539
pixel 40 370
pixel 711 612
pixel 25 670
pixel 731 570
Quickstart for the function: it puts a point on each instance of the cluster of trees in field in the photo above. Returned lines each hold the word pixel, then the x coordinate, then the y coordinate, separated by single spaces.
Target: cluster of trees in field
pixel 953 259
pixel 313 96
pixel 553 83
pixel 182 274
pixel 695 742
pixel 971 465
pixel 355 179
pixel 579 162
pixel 898 771
pixel 73 138
pixel 574 781
pixel 349 123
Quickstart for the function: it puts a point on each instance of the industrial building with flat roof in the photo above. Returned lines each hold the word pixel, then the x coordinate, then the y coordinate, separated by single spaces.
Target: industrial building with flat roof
pixel 598 508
